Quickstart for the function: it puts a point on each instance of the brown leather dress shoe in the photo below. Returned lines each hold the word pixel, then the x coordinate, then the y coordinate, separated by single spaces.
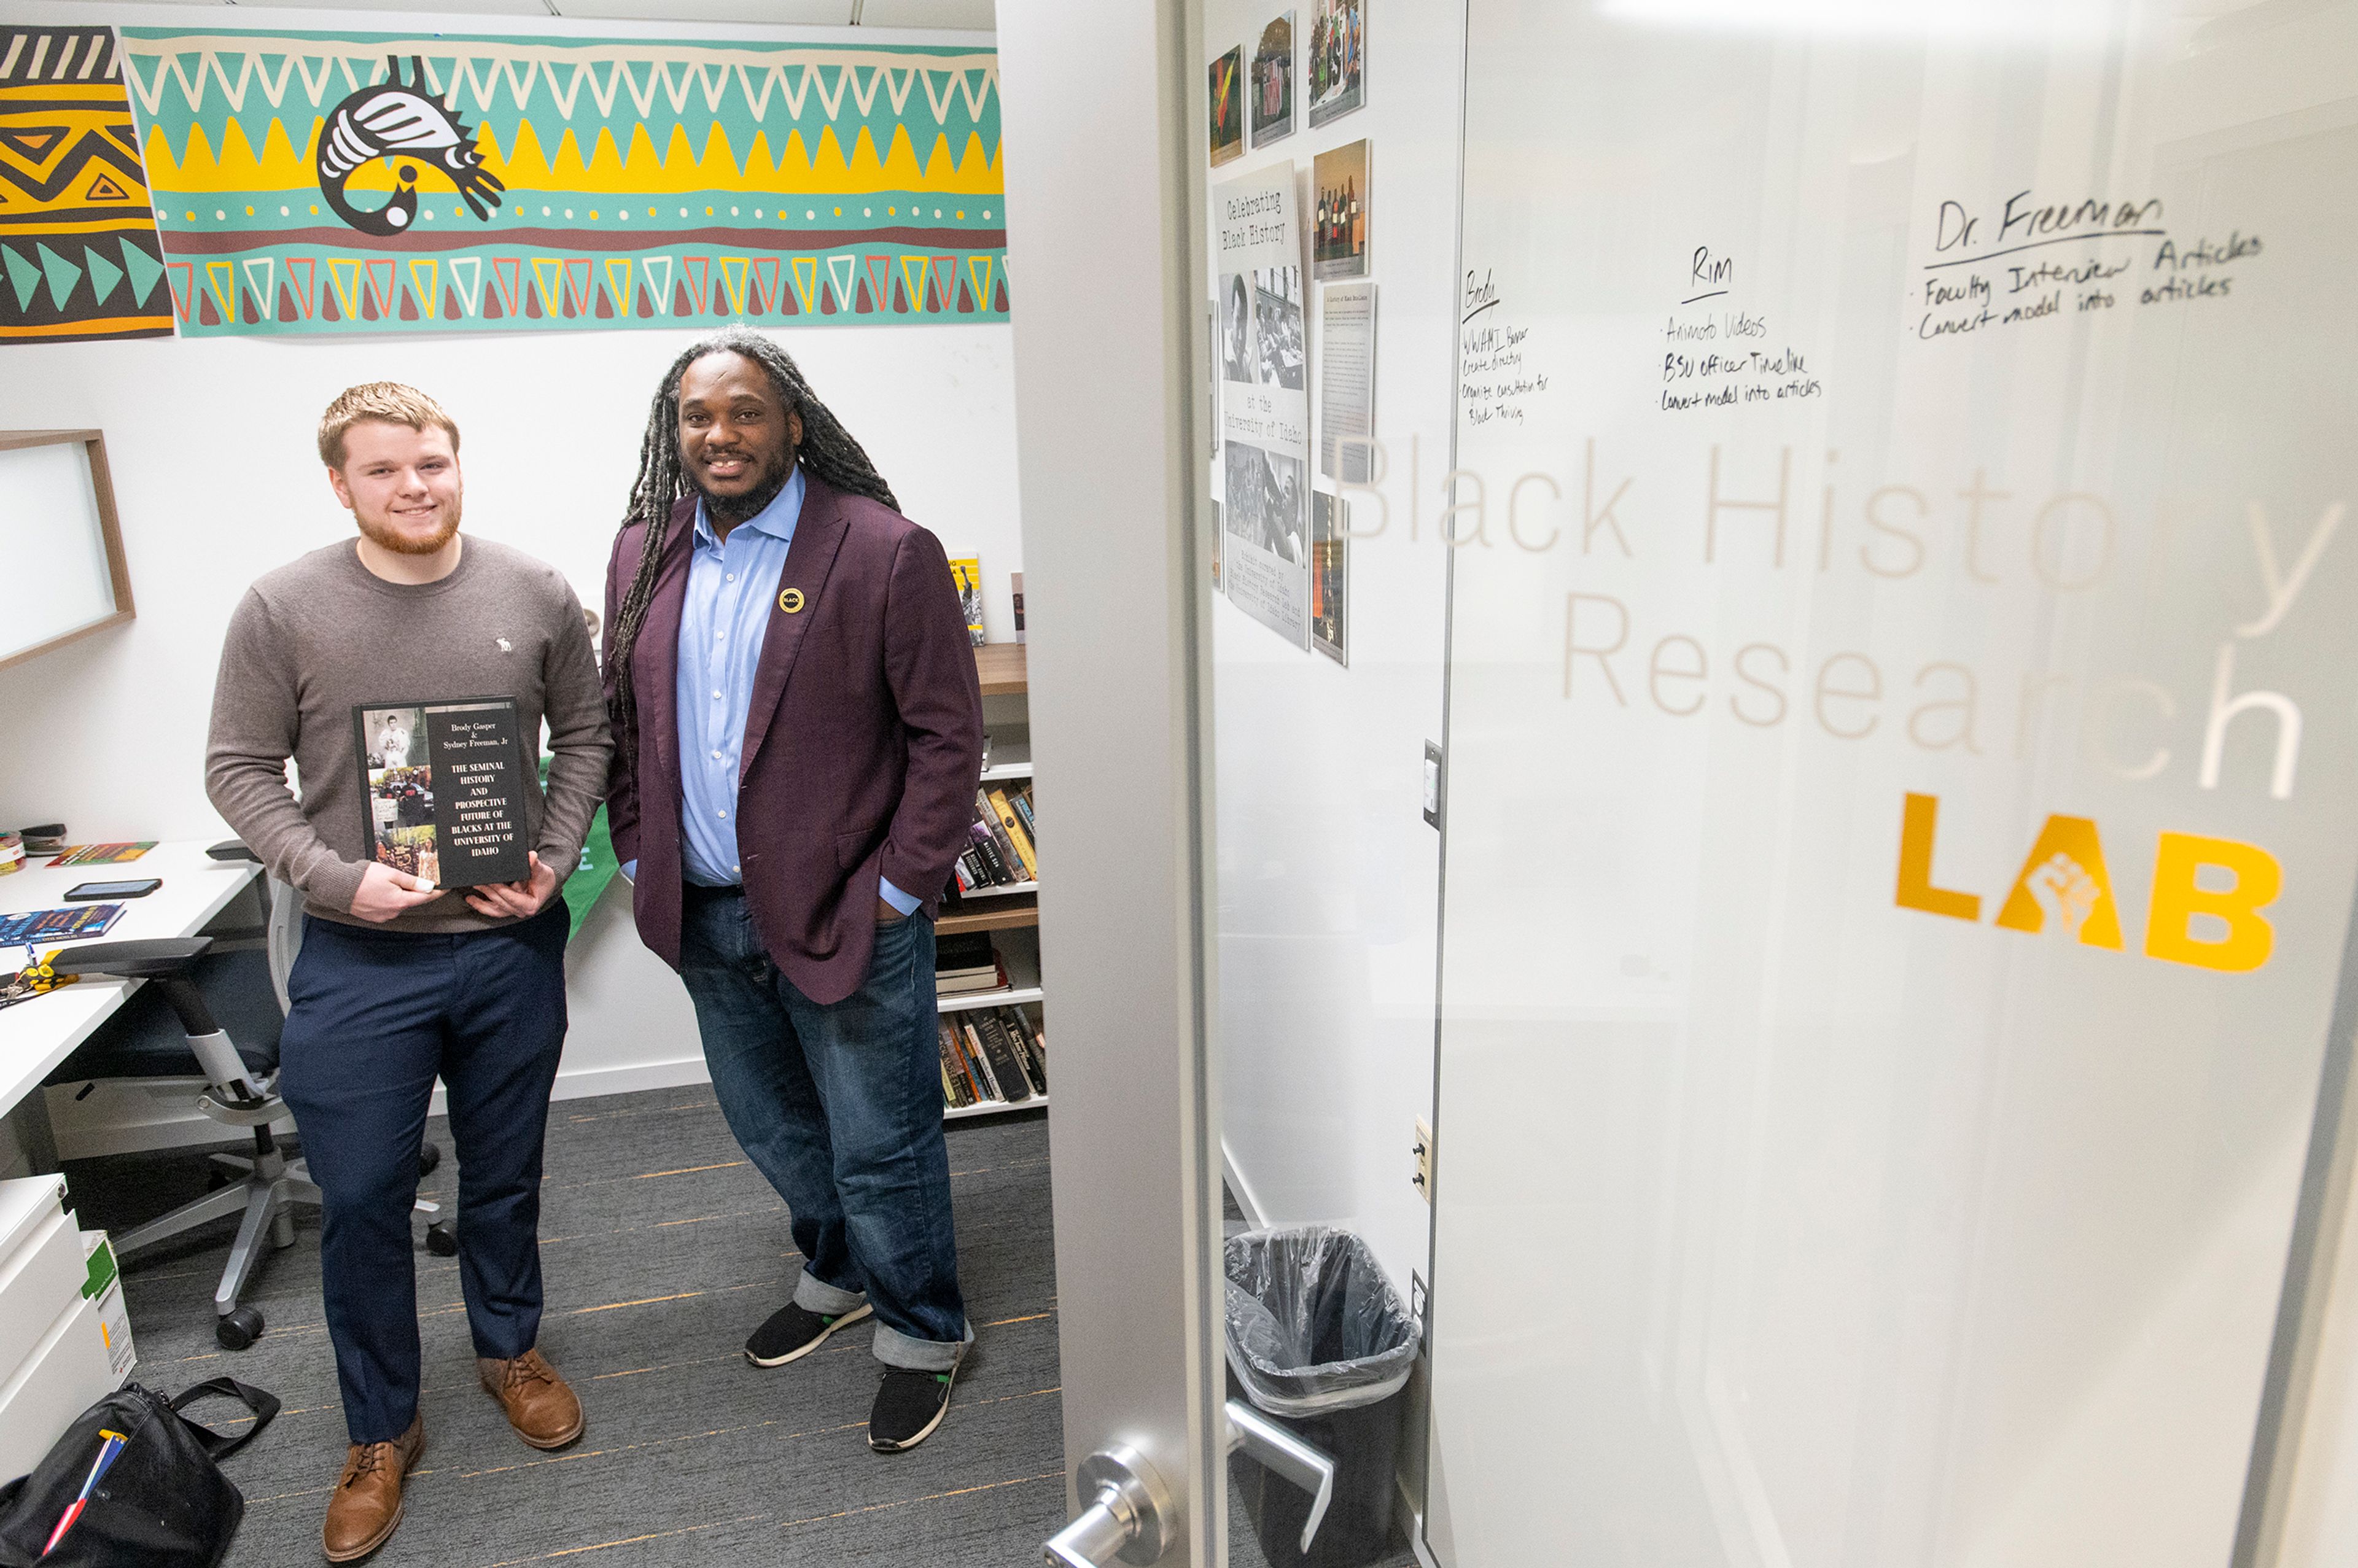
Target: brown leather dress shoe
pixel 366 1509
pixel 544 1411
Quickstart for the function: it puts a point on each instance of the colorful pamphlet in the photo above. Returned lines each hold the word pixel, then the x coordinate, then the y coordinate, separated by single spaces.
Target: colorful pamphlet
pixel 83 919
pixel 443 788
pixel 967 571
pixel 102 854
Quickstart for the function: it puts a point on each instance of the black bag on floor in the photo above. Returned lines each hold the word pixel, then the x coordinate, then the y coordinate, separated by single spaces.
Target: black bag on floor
pixel 163 1503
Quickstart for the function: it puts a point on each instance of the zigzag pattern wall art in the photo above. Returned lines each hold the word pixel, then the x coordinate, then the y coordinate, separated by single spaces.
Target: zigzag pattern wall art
pixel 320 183
pixel 78 255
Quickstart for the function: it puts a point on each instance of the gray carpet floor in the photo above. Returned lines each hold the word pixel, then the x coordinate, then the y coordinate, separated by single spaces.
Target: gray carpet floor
pixel 660 1249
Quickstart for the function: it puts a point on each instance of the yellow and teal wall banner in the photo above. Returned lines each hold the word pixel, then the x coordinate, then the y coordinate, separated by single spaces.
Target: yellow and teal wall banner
pixel 312 183
pixel 79 256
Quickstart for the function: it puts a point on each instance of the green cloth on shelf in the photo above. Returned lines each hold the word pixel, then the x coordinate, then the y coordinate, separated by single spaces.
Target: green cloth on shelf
pixel 598 863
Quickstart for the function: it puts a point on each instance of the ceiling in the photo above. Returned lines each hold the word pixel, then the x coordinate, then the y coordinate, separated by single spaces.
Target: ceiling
pixel 968 15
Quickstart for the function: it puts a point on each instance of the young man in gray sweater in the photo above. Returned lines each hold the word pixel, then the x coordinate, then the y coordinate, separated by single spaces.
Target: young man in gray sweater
pixel 400 981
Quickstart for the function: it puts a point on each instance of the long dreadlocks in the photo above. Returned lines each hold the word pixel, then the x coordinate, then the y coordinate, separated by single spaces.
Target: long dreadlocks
pixel 827 450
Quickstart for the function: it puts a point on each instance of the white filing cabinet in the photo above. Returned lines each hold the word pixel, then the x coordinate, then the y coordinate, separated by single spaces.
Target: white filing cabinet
pixel 56 1358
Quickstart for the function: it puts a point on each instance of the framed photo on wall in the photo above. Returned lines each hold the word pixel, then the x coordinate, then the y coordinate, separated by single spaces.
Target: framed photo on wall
pixel 1338 39
pixel 1228 103
pixel 1338 236
pixel 58 530
pixel 1330 579
pixel 1273 83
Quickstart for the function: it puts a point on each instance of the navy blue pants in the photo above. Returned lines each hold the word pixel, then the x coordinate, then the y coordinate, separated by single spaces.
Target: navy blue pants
pixel 376 1017
pixel 840 1105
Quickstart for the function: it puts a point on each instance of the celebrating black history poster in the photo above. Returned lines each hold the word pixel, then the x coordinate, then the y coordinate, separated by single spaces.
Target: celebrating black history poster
pixel 1265 402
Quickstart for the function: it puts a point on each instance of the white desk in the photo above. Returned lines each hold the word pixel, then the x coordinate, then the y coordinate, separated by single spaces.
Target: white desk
pixel 36 1035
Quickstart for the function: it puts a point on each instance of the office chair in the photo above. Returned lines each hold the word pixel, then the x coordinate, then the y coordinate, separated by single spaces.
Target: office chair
pixel 217 1007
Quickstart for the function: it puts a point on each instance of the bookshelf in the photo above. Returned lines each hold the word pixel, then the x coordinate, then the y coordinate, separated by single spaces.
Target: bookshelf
pixel 1020 910
pixel 1012 910
pixel 1002 668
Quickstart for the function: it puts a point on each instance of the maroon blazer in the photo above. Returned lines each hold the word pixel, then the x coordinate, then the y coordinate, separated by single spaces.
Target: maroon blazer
pixel 863 742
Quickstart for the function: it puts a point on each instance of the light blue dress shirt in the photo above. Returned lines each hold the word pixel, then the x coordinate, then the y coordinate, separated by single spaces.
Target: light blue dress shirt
pixel 731 583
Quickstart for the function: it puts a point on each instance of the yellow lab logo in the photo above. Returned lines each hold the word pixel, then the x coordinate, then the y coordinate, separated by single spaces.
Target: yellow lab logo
pixel 2064 879
pixel 791 600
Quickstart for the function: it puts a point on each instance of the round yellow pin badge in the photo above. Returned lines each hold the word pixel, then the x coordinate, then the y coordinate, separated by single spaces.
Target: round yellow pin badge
pixel 791 600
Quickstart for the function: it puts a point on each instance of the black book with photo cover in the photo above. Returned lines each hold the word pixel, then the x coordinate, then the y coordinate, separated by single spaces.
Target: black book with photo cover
pixel 442 787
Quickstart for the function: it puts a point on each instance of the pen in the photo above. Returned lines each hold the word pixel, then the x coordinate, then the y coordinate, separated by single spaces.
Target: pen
pixel 111 1445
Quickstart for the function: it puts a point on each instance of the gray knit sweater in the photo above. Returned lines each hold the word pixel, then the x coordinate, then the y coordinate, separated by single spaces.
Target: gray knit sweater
pixel 323 634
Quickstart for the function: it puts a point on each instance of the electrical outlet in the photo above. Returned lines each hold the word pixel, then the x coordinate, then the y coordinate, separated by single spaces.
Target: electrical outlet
pixel 1422 1148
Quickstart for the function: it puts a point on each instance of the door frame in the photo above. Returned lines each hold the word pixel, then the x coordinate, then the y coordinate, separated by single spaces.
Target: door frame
pixel 1106 198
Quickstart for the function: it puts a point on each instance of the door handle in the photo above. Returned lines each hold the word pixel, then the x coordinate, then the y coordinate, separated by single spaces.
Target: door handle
pixel 1130 1514
pixel 1294 1460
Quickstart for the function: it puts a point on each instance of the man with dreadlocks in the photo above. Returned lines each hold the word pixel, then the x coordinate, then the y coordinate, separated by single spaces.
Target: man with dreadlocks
pixel 799 737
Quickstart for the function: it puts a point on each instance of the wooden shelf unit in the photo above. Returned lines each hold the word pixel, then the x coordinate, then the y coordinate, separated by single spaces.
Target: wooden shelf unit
pixel 1001 670
pixel 993 1108
pixel 971 1001
pixel 1004 890
pixel 1002 915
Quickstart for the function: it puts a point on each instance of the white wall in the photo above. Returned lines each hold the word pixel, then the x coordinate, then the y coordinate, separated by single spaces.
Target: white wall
pixel 210 442
pixel 210 445
pixel 1327 869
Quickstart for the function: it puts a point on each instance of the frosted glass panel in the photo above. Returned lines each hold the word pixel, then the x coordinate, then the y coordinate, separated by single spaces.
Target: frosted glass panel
pixel 53 545
pixel 1905 646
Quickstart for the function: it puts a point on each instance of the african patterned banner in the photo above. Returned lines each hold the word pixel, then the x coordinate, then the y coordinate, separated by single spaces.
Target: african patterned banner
pixel 320 183
pixel 79 256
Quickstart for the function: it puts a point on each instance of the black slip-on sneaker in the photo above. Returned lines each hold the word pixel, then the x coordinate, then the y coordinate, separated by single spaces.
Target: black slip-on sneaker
pixel 909 1405
pixel 792 1332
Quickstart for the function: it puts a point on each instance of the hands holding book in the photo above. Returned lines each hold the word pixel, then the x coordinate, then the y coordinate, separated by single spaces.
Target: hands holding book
pixel 384 892
pixel 506 901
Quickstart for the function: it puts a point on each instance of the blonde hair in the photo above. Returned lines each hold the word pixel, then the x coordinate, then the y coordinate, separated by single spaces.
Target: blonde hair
pixel 388 402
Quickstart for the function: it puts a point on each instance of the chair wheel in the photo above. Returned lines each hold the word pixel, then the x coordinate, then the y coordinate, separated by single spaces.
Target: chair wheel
pixel 239 1329
pixel 442 1241
pixel 429 1156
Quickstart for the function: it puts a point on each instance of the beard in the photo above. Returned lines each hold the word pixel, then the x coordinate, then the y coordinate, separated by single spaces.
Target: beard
pixel 735 509
pixel 402 544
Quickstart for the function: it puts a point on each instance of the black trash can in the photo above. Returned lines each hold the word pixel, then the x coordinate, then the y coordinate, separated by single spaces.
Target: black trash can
pixel 1319 1339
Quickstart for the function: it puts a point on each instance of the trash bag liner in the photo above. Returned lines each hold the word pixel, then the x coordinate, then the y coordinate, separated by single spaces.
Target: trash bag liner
pixel 1313 1323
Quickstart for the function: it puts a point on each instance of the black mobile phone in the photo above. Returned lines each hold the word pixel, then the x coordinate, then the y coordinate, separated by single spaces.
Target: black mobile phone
pixel 90 892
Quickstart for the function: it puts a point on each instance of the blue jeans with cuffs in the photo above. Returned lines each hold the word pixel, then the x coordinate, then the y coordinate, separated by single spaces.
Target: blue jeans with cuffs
pixel 840 1105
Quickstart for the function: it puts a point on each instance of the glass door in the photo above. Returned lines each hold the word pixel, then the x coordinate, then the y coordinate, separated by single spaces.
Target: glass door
pixel 1900 857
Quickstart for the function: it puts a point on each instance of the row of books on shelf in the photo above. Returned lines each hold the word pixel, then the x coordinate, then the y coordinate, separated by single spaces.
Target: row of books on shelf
pixel 993 1056
pixel 1004 834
